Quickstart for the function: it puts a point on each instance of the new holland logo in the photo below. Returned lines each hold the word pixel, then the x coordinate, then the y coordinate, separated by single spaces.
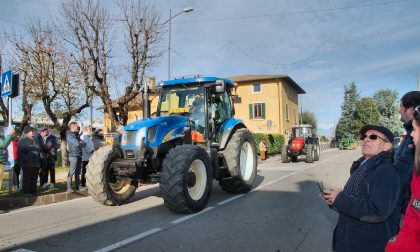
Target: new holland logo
pixel 416 204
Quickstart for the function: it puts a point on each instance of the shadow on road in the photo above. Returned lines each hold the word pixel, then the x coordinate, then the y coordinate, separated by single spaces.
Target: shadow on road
pixel 274 218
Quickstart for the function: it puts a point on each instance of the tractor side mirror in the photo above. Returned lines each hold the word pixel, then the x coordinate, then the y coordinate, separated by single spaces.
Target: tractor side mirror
pixel 220 86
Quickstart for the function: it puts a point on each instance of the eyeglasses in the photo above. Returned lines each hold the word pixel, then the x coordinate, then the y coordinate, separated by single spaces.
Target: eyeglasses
pixel 416 112
pixel 373 137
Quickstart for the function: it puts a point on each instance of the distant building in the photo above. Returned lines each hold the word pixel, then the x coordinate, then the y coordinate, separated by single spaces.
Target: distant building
pixel 267 103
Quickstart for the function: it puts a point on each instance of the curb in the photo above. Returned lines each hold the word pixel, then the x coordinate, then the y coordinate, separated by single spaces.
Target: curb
pixel 12 203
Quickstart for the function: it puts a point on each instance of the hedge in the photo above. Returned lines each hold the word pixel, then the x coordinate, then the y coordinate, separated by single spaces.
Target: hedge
pixel 274 142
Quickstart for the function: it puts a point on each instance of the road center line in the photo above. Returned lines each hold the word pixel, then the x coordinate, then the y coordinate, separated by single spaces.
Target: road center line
pixel 129 240
pixel 191 216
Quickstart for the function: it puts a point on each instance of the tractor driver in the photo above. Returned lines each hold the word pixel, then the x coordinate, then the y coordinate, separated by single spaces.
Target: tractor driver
pixel 197 114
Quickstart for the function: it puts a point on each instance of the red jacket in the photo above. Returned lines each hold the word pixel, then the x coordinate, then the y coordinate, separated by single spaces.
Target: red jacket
pixel 14 143
pixel 409 237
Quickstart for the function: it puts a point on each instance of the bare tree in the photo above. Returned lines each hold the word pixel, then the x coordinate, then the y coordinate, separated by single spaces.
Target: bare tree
pixel 142 36
pixel 89 26
pixel 51 78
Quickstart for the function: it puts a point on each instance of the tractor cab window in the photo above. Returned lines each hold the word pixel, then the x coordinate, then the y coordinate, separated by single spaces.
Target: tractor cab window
pixel 220 109
pixel 178 100
pixel 301 132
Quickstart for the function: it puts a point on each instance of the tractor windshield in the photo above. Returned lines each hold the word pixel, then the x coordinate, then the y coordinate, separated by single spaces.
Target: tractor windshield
pixel 301 132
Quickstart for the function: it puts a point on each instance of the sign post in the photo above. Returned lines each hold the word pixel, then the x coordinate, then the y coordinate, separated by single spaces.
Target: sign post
pixel 7 85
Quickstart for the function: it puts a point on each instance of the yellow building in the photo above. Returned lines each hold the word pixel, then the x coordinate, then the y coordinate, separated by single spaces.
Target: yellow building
pixel 267 103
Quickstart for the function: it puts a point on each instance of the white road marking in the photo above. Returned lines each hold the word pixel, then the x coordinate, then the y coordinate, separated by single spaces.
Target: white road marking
pixel 23 250
pixel 129 240
pixel 230 199
pixel 191 216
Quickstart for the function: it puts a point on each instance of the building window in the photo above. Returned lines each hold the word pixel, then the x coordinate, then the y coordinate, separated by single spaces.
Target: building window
pixel 257 111
pixel 287 112
pixel 295 116
pixel 256 88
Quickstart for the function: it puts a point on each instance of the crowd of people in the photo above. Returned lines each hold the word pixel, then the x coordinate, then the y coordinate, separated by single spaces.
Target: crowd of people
pixel 378 209
pixel 35 156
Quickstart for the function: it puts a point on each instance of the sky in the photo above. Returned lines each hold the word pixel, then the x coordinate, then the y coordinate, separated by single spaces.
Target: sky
pixel 322 45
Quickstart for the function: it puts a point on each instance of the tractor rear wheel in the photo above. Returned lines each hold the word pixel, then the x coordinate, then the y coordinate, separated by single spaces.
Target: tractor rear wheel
pixel 241 159
pixel 309 154
pixel 285 158
pixel 186 179
pixel 103 184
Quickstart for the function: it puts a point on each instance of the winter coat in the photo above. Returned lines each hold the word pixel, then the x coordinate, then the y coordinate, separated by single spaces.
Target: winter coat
pixel 52 146
pixel 74 144
pixel 87 151
pixel 409 237
pixel 3 148
pixel 403 163
pixel 29 152
pixel 363 220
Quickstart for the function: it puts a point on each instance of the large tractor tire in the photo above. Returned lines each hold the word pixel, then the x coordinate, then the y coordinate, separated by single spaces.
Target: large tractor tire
pixel 103 185
pixel 285 158
pixel 186 179
pixel 309 154
pixel 317 153
pixel 241 158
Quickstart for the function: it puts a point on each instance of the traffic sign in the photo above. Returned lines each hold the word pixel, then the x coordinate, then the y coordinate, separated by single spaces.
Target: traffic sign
pixel 6 83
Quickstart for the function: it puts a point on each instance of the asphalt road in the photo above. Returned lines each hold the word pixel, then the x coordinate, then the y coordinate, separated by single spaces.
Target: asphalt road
pixel 283 213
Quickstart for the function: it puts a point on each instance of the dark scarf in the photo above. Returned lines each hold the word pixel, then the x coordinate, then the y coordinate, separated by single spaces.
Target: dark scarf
pixel 359 170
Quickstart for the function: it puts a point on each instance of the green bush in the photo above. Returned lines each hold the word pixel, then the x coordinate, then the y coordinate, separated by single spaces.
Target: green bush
pixel 274 142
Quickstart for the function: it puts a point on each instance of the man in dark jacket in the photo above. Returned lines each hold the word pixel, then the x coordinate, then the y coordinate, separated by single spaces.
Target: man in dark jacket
pixel 29 159
pixel 51 146
pixel 74 147
pixel 369 196
pixel 404 157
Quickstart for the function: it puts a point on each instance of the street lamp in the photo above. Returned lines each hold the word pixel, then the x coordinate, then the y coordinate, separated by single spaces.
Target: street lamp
pixel 188 9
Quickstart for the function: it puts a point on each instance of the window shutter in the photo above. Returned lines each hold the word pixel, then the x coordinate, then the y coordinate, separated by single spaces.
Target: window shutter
pixel 251 112
pixel 263 110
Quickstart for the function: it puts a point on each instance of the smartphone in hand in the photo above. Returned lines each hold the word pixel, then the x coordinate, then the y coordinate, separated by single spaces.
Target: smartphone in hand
pixel 321 188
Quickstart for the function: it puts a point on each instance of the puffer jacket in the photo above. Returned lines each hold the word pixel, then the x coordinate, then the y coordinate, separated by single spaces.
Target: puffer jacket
pixel 363 220
pixel 409 237
pixel 74 144
pixel 3 148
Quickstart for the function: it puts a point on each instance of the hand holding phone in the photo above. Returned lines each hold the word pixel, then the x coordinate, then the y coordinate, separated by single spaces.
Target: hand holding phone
pixel 321 189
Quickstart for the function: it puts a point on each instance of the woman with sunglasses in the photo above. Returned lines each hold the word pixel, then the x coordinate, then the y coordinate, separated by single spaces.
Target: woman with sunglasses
pixel 369 196
pixel 408 238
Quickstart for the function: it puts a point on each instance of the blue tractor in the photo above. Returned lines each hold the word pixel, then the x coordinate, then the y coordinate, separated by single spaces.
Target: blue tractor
pixel 193 140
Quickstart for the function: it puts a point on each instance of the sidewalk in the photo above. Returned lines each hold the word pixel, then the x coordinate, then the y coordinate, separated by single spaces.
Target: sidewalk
pixel 9 203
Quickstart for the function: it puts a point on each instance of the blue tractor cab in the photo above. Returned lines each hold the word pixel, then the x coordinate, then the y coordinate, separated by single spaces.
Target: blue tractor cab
pixel 193 139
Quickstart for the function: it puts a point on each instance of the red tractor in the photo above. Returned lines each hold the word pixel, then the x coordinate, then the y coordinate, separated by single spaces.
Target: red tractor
pixel 302 142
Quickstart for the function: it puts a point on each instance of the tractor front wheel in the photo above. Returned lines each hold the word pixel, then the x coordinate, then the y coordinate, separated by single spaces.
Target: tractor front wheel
pixel 102 181
pixel 317 153
pixel 186 179
pixel 285 158
pixel 309 154
pixel 241 159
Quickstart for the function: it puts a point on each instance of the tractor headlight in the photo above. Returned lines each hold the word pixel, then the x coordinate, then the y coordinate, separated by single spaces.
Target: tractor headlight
pixel 141 134
pixel 124 138
pixel 151 133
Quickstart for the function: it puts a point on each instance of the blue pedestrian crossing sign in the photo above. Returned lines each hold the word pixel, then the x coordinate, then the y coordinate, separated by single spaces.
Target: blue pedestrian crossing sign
pixel 6 83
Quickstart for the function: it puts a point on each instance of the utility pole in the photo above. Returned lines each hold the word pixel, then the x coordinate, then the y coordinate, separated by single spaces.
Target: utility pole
pixel 418 82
